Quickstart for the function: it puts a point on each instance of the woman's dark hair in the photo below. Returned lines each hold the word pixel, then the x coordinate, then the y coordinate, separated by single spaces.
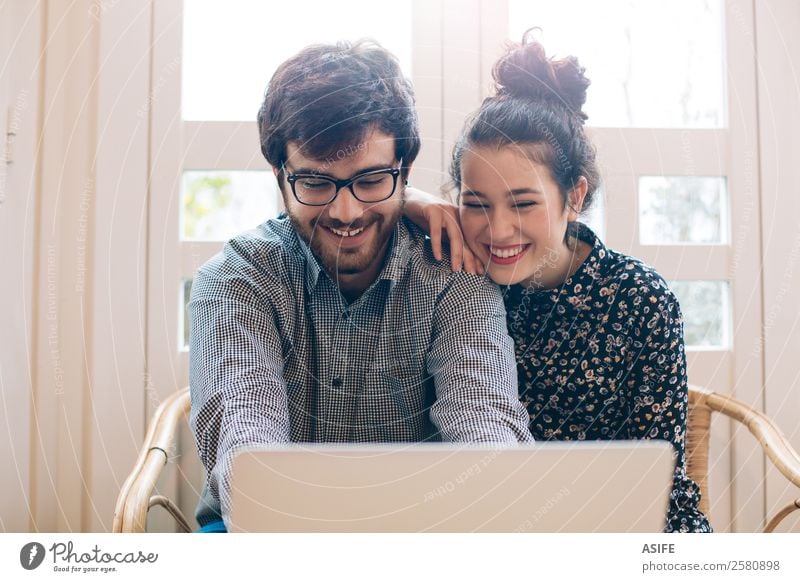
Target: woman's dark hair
pixel 327 97
pixel 537 103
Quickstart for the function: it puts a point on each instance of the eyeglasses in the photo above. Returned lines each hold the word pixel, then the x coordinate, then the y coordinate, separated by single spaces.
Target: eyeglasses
pixel 318 190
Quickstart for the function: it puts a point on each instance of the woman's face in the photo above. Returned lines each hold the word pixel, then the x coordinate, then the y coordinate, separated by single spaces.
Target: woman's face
pixel 514 218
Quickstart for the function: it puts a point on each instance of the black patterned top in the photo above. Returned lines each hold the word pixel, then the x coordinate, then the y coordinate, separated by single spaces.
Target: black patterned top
pixel 602 357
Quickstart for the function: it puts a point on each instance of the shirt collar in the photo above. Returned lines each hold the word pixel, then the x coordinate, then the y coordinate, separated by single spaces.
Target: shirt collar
pixel 312 266
pixel 398 254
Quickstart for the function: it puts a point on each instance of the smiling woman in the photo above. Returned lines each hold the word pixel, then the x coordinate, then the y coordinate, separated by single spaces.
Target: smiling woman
pixel 598 334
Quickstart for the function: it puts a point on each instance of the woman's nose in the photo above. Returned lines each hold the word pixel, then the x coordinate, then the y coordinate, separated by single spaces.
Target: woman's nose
pixel 504 226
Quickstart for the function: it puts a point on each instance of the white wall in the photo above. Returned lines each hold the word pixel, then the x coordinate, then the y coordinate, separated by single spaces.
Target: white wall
pixel 74 234
pixel 19 97
pixel 778 24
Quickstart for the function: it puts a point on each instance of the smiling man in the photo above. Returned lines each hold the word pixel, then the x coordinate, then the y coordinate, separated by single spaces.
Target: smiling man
pixel 335 323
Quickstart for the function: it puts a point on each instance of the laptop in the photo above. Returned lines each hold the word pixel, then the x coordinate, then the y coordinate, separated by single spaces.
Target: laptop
pixel 598 486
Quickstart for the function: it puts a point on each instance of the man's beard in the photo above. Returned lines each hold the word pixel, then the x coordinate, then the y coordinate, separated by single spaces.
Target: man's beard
pixel 345 261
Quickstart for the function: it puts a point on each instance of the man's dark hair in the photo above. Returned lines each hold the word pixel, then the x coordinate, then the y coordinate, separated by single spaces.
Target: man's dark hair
pixel 328 97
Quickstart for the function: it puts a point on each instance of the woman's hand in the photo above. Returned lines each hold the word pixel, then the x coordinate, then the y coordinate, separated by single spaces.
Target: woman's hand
pixel 439 218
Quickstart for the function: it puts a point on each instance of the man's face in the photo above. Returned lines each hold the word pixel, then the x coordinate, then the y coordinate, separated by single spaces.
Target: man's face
pixel 347 236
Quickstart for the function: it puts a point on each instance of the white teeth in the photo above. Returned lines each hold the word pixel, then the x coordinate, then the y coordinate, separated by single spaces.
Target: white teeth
pixel 347 233
pixel 506 253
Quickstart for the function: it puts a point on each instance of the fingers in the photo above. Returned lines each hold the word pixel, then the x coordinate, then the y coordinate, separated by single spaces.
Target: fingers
pixel 456 240
pixel 435 232
pixel 471 262
pixel 443 225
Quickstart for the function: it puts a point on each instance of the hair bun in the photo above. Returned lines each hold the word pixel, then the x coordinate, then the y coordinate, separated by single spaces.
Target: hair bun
pixel 526 72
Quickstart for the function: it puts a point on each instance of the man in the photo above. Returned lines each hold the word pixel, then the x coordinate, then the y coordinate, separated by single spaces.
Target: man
pixel 336 324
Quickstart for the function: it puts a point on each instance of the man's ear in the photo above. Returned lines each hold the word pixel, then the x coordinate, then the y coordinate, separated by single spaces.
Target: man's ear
pixel 576 197
pixel 407 170
pixel 278 175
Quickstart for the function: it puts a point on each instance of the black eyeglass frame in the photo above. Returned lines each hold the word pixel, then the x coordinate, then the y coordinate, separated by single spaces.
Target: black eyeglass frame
pixel 346 183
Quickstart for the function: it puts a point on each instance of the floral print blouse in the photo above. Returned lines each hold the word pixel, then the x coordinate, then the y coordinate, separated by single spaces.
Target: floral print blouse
pixel 602 357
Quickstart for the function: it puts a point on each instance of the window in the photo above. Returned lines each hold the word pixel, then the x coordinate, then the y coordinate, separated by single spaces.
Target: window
pixel 652 64
pixel 217 205
pixel 682 210
pixel 231 49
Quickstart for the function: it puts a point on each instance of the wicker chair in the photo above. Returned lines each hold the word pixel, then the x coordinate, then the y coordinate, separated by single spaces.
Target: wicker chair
pixel 136 498
pixel 702 403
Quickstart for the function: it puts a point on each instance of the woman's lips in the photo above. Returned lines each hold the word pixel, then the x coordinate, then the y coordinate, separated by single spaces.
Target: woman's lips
pixel 507 255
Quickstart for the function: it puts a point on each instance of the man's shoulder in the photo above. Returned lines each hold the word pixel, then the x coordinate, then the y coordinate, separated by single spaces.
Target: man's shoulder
pixel 266 255
pixel 438 276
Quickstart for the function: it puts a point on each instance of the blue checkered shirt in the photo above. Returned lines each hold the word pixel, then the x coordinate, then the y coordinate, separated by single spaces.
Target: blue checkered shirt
pixel 278 355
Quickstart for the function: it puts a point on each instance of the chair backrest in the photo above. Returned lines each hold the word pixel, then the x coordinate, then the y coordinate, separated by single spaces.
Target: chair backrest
pixel 698 432
pixel 134 501
pixel 778 449
pixel 136 496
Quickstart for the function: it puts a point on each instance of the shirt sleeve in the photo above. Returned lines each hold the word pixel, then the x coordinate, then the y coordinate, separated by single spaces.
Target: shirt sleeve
pixel 471 359
pixel 235 372
pixel 659 386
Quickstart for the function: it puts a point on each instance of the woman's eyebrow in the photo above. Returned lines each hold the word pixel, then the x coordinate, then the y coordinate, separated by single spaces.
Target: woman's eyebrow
pixel 514 192
pixel 520 191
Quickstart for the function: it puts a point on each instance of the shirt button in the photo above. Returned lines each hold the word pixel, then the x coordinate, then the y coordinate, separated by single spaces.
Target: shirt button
pixel 336 383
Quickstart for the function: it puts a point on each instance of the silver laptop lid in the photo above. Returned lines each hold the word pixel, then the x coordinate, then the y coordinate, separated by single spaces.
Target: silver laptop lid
pixel 598 486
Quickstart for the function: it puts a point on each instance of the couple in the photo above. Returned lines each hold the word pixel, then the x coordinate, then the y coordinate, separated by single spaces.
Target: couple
pixel 341 322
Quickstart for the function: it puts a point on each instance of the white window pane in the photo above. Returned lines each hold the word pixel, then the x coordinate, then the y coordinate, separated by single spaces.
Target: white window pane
pixel 652 63
pixel 231 48
pixel 682 210
pixel 705 307
pixel 217 205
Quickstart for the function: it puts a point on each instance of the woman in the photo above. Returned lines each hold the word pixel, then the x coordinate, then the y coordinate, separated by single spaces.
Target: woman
pixel 598 335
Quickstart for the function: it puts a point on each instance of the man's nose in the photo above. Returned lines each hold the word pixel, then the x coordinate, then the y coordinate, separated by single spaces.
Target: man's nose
pixel 345 208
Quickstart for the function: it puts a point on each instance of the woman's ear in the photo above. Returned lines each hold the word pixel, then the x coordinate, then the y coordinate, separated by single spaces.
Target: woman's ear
pixel 576 197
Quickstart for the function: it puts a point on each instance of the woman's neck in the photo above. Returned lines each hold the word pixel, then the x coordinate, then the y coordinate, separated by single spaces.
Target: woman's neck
pixel 554 273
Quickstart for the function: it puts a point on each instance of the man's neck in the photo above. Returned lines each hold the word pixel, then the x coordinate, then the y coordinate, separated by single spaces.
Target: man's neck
pixel 352 286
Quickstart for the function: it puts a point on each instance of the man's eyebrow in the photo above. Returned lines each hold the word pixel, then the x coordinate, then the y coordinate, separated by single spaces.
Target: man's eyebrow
pixel 319 172
pixel 375 168
pixel 306 170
